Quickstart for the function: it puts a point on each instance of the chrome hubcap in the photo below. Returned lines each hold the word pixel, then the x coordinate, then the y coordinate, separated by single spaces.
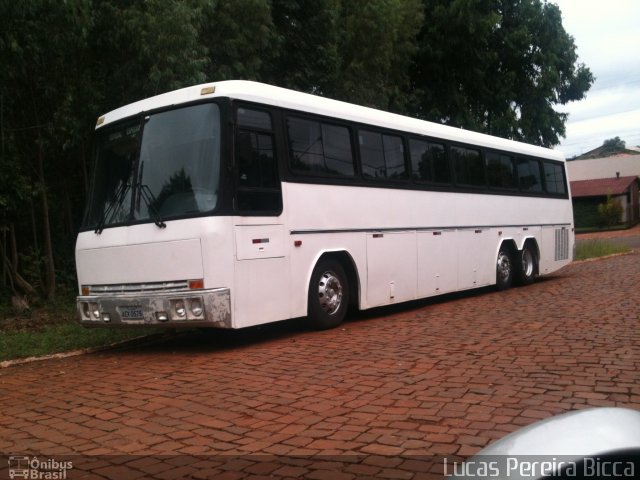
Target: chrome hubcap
pixel 503 267
pixel 330 292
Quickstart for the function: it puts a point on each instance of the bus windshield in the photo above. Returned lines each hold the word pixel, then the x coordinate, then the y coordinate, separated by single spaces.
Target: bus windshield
pixel 164 166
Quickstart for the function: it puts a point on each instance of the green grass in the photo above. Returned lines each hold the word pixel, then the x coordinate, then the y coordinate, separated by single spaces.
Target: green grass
pixel 604 229
pixel 50 326
pixel 62 338
pixel 597 248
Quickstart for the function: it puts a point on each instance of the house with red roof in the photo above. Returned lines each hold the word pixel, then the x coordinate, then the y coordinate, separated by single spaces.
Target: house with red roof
pixel 588 194
pixel 596 175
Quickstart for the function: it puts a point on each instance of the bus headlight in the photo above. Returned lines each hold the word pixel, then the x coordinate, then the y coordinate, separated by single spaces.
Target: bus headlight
pixel 196 306
pixel 187 308
pixel 95 310
pixel 180 309
pixel 85 310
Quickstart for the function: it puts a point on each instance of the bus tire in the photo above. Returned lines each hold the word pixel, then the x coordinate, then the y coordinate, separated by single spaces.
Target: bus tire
pixel 504 268
pixel 527 265
pixel 328 295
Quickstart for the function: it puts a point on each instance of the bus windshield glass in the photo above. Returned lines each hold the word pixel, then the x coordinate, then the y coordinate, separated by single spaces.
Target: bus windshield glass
pixel 172 171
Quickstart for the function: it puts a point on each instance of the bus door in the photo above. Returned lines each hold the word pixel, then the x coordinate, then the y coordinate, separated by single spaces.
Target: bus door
pixel 261 273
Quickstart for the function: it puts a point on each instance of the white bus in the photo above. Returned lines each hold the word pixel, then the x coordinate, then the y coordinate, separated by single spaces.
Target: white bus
pixel 236 203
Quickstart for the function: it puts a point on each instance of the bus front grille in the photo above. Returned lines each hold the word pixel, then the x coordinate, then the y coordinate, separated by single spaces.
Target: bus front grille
pixel 172 286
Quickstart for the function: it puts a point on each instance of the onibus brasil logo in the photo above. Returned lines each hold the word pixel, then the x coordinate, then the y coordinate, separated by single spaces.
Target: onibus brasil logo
pixel 22 466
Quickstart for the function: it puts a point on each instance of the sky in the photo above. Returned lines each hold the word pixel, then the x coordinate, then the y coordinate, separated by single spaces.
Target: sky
pixel 607 36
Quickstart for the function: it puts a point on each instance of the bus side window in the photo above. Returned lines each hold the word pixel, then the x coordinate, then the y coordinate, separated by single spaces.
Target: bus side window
pixel 394 156
pixel 382 156
pixel 529 177
pixel 468 166
pixel 553 178
pixel 257 184
pixel 500 170
pixel 429 162
pixel 319 148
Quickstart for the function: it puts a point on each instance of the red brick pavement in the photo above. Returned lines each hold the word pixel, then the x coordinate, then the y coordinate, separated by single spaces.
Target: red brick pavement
pixel 377 397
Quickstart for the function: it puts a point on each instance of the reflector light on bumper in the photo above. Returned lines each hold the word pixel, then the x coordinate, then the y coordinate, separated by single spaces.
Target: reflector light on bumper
pixel 187 309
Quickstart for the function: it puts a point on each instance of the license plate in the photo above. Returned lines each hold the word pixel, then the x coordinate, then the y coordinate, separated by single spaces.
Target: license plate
pixel 131 313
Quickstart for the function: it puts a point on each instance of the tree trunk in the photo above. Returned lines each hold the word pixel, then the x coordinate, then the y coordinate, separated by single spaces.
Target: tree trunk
pixel 68 211
pixel 50 273
pixel 85 173
pixel 5 271
pixel 14 247
pixel 34 228
pixel 18 283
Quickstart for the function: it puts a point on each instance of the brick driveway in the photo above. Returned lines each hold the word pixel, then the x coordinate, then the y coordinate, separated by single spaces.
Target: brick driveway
pixel 377 397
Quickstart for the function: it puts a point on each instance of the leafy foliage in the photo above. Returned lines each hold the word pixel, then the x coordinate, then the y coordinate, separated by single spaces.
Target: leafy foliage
pixel 613 145
pixel 305 50
pixel 498 66
pixel 374 68
pixel 609 213
pixel 239 36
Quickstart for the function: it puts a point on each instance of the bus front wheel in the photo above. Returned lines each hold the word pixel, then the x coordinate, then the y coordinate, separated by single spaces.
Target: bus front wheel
pixel 328 294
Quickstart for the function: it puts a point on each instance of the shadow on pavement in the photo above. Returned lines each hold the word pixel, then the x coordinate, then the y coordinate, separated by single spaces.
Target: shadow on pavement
pixel 210 340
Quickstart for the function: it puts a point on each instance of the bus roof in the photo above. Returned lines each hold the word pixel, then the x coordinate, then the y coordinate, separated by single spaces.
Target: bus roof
pixel 305 102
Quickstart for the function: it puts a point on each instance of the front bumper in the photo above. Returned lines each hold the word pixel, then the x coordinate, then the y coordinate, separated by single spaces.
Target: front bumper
pixel 193 308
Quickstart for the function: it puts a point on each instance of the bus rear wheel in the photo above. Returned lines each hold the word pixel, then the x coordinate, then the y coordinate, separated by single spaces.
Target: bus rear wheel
pixel 504 269
pixel 328 295
pixel 527 266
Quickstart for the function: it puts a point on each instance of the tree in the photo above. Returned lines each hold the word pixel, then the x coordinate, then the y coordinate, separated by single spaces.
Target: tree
pixel 39 41
pixel 613 145
pixel 145 47
pixel 609 213
pixel 306 38
pixel 52 89
pixel 498 66
pixel 454 54
pixel 239 36
pixel 15 191
pixel 377 42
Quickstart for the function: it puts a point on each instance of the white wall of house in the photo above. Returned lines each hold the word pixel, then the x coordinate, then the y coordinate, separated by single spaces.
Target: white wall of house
pixel 607 167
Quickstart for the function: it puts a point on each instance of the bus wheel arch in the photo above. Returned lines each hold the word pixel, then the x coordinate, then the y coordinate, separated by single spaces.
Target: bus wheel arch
pixel 527 264
pixel 333 288
pixel 505 268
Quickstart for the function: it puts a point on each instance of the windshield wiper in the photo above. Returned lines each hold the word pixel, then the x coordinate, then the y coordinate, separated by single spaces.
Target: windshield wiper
pixel 111 209
pixel 150 201
pixel 149 198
